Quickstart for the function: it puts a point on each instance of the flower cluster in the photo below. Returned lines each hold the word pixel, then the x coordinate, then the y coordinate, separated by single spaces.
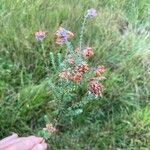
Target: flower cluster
pixel 95 88
pixel 83 68
pixel 91 13
pixel 75 75
pixel 40 36
pixel 50 129
pixel 62 36
pixel 87 53
pixel 65 75
pixel 100 70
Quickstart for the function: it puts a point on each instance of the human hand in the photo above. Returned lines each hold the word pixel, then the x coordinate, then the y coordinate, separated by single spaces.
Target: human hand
pixel 14 142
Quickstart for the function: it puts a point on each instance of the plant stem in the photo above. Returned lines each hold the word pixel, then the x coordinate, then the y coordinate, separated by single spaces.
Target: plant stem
pixel 82 32
pixel 43 50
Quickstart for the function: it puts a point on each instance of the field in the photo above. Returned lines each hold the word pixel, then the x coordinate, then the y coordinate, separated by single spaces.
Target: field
pixel 120 38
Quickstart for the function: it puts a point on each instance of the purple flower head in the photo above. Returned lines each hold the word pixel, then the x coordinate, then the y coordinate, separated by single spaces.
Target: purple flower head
pixel 91 13
pixel 63 35
pixel 40 35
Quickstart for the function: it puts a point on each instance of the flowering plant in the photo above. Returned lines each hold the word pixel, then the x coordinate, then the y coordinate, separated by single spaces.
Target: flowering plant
pixel 75 63
pixel 77 83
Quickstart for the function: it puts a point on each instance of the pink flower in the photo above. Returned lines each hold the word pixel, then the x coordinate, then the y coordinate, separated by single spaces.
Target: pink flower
pixel 87 52
pixel 76 77
pixel 40 36
pixel 62 35
pixel 100 70
pixel 91 13
pixel 83 68
pixel 95 88
pixel 65 75
pixel 50 129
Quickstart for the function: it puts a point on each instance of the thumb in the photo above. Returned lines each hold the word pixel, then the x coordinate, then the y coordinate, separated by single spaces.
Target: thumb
pixel 25 143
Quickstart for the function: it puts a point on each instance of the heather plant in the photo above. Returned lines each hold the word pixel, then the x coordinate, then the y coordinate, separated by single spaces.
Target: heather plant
pixel 77 83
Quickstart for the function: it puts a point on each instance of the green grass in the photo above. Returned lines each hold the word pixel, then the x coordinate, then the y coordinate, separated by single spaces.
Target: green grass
pixel 120 37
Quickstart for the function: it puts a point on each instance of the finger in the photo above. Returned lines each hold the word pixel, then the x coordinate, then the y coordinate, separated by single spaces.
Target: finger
pixel 23 143
pixel 42 146
pixel 9 138
pixel 10 142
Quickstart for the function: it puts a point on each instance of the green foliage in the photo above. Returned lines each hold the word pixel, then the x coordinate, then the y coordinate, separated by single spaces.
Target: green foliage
pixel 29 84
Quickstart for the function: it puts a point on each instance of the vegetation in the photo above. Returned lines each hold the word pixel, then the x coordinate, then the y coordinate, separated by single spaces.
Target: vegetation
pixel 31 93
